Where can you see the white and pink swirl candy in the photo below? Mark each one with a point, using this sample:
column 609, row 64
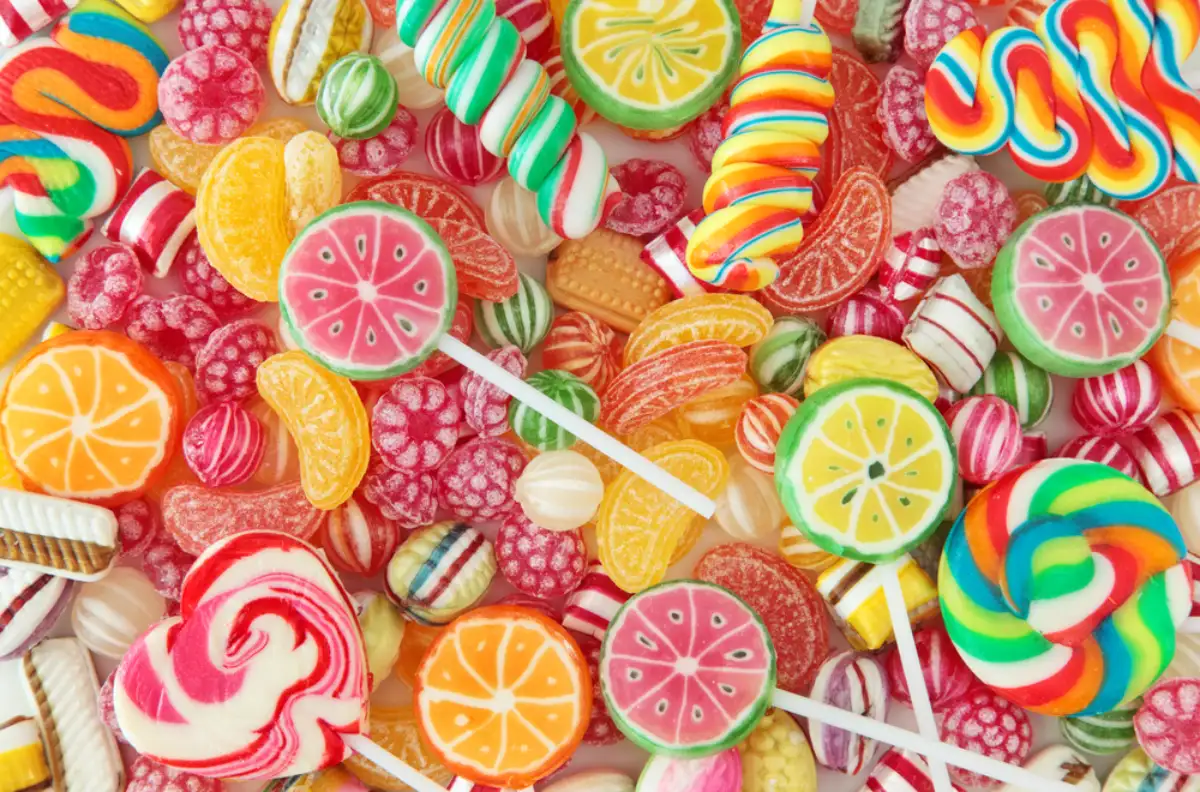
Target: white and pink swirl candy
column 852, row 682
column 223, row 444
column 262, row 675
column 1120, row 402
column 1105, row 450
column 987, row 434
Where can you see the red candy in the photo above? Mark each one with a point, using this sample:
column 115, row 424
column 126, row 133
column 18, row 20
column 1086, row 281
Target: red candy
column 461, row 327
column 651, row 200
column 911, row 264
column 855, row 134
column 223, row 444
column 906, row 128
column 165, row 564
column 1105, row 450
column 1168, row 725
column 760, row 426
column 138, row 526
column 1033, row 449
column 197, row 516
column 105, row 283
column 358, row 538
column 867, row 312
column 476, row 482
column 601, row 730
column 210, row 95
column 227, row 363
column 382, row 154
column 456, row 153
column 485, row 269
column 581, row 345
column 533, row 21
column 404, row 496
column 1120, row 402
column 107, row 714
column 544, row 607
column 149, row 776
column 240, row 25
column 539, row 562
column 986, row 724
column 414, row 425
column 485, row 407
column 202, row 281
column 706, row 134
column 987, row 434
column 173, row 329
column 929, row 24
column 975, row 217
column 946, row 675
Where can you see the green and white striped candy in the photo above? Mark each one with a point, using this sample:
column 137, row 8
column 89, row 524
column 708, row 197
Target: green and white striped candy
column 357, row 97
column 522, row 320
column 1079, row 190
column 564, row 388
column 1107, row 733
column 777, row 362
column 1024, row 385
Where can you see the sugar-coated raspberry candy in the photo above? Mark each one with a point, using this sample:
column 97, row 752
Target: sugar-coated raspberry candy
column 408, row 497
column 929, row 24
column 138, row 526
column 946, row 675
column 240, row 25
column 987, row 435
column 461, row 327
column 1119, row 402
column 652, row 193
column 1168, row 724
column 601, row 730
column 202, row 281
column 477, row 481
column 533, row 21
column 975, row 217
column 706, row 133
column 146, row 775
column 867, row 312
column 582, row 345
column 165, row 563
column 906, row 128
column 911, row 264
column 538, row 561
column 1105, row 450
column 227, row 363
column 223, row 444
column 105, row 283
column 358, row 538
column 760, row 426
column 485, row 407
column 173, row 329
column 456, row 153
column 383, row 154
column 414, row 425
column 210, row 95
column 987, row 724
column 108, row 715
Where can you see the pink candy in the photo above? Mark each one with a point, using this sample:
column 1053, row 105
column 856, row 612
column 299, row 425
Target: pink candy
column 1105, row 450
column 166, row 564
column 706, row 133
column 1167, row 452
column 666, row 255
column 601, row 730
column 210, row 95
column 477, row 481
column 149, row 776
column 946, row 675
column 1033, row 449
column 985, row 723
column 227, row 363
column 867, row 312
column 456, row 153
column 901, row 111
column 1168, row 725
column 155, row 218
column 138, row 526
column 651, row 200
column 592, row 606
column 539, row 562
column 105, row 283
column 358, row 538
column 223, row 444
column 1120, row 402
column 408, row 497
column 383, row 154
column 202, row 281
column 173, row 329
column 414, row 425
column 929, row 24
column 485, row 407
column 533, row 21
column 975, row 217
column 987, row 434
column 911, row 264
column 241, row 25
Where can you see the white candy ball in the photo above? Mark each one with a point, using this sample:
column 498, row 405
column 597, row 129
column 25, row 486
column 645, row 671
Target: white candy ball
column 560, row 490
column 749, row 508
column 110, row 613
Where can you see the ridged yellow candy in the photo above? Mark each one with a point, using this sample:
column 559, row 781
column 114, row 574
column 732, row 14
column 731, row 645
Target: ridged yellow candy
column 307, row 37
column 860, row 356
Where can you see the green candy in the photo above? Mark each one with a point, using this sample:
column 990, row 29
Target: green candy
column 542, row 144
column 777, row 363
column 878, row 26
column 1107, row 733
column 522, row 320
column 412, row 16
column 479, row 79
column 1079, row 190
column 565, row 389
column 357, row 97
column 1027, row 387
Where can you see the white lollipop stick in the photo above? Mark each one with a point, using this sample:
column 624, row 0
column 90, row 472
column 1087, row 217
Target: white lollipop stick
column 601, row 441
column 1182, row 331
column 361, row 744
column 807, row 9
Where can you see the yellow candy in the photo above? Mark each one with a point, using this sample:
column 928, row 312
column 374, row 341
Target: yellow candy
column 801, row 552
column 22, row 757
column 331, row 779
column 713, row 416
column 735, row 318
column 776, row 757
column 660, row 430
column 395, row 730
column 9, row 477
column 307, row 37
column 314, row 177
column 327, row 420
column 148, row 11
column 55, row 329
column 859, row 356
column 183, row 162
column 30, row 290
column 854, row 592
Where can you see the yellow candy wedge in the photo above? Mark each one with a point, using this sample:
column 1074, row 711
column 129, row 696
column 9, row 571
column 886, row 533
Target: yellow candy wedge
column 735, row 318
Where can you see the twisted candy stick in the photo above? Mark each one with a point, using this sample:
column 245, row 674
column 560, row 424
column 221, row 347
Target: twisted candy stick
column 66, row 103
column 761, row 183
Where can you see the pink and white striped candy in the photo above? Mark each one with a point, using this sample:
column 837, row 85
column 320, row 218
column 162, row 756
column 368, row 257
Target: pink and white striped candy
column 666, row 254
column 900, row 771
column 1120, row 402
column 987, row 434
column 358, row 538
column 852, row 682
column 867, row 312
column 593, row 605
column 1033, row 449
column 223, row 444
column 155, row 218
column 1192, row 562
column 20, row 19
column 1167, row 451
column 759, row 427
column 1105, row 450
column 954, row 333
column 911, row 264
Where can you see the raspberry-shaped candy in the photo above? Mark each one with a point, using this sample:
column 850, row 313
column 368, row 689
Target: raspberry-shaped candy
column 984, row 723
column 108, row 714
column 202, row 281
column 929, row 24
column 240, row 25
column 138, row 526
column 228, row 361
column 149, row 776
column 485, row 407
column 105, row 283
column 173, row 329
column 601, row 730
column 165, row 563
column 408, row 497
column 652, row 197
column 901, row 111
column 414, row 425
column 223, row 444
column 380, row 155
column 975, row 217
column 706, row 134
column 539, row 562
column 477, row 481
column 210, row 95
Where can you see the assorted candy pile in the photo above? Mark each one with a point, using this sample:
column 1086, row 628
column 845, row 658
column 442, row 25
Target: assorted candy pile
column 261, row 396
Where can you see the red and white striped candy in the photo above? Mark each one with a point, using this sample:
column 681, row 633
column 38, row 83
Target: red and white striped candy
column 20, row 19
column 358, row 539
column 954, row 333
column 223, row 444
column 155, row 218
column 593, row 605
column 667, row 252
column 1120, row 402
column 1033, row 449
column 1192, row 562
column 867, row 312
column 460, row 784
column 911, row 264
column 759, row 427
column 1105, row 450
column 900, row 771
column 987, row 434
column 1167, row 451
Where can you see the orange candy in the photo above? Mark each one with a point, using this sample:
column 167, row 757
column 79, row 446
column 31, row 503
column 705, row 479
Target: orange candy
column 713, row 416
column 1178, row 362
column 395, row 729
column 413, row 646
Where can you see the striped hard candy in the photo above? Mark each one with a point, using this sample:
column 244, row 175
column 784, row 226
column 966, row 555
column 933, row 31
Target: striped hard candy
column 223, row 444
column 901, row 771
column 564, row 389
column 954, row 333
column 1025, row 386
column 749, row 509
column 582, row 345
column 1122, row 401
column 440, row 571
column 559, row 490
column 867, row 312
column 1103, row 733
column 1033, row 449
column 987, row 435
column 358, row 538
column 911, row 264
column 592, row 606
column 946, row 675
column 759, row 427
column 1105, row 450
column 522, row 320
column 1167, row 451
column 777, row 362
column 801, row 552
column 1137, row 773
column 856, row 683
column 357, row 97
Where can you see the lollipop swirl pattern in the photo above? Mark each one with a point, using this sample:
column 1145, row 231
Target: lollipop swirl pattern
column 262, row 674
column 66, row 105
column 1062, row 587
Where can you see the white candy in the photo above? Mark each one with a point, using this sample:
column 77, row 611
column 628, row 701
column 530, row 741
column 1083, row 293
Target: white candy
column 109, row 614
column 560, row 490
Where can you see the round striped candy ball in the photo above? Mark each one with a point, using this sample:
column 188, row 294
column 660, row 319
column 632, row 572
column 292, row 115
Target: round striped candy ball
column 867, row 312
column 987, row 434
column 1024, row 385
column 582, row 345
column 778, row 361
column 522, row 320
column 759, row 427
column 1106, row 733
column 1105, row 450
column 566, row 389
column 1120, row 402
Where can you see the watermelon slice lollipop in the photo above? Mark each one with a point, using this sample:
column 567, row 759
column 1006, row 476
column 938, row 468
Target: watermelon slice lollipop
column 1081, row 290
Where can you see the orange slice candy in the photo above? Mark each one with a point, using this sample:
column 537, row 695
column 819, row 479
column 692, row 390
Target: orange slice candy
column 503, row 696
column 92, row 416
column 735, row 318
column 1177, row 361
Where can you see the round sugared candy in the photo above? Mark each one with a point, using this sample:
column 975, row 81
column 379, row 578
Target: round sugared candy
column 867, row 312
column 1117, row 403
column 107, row 280
column 202, row 281
column 485, row 406
column 652, row 194
column 357, row 98
column 776, row 756
column 974, row 219
column 777, row 362
column 1168, row 725
column 522, row 320
column 706, row 133
column 1025, row 386
column 759, row 427
column 226, row 364
column 559, row 490
column 946, row 675
column 537, row 561
column 513, row 219
column 901, row 111
column 582, row 345
column 210, row 95
column 408, row 497
column 566, row 390
column 430, row 590
column 109, row 614
column 601, row 729
column 146, row 775
column 223, row 444
column 987, row 724
column 911, row 264
column 166, row 564
column 721, row 772
column 851, row 682
column 240, row 25
column 414, row 425
column 748, row 508
column 382, row 154
column 1105, row 450
column 173, row 329
column 1103, row 733
column 456, row 153
column 987, row 436
column 138, row 526
column 358, row 538
column 533, row 21
column 476, row 482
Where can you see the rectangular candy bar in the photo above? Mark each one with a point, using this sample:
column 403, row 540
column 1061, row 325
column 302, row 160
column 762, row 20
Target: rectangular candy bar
column 853, row 590
column 55, row 535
